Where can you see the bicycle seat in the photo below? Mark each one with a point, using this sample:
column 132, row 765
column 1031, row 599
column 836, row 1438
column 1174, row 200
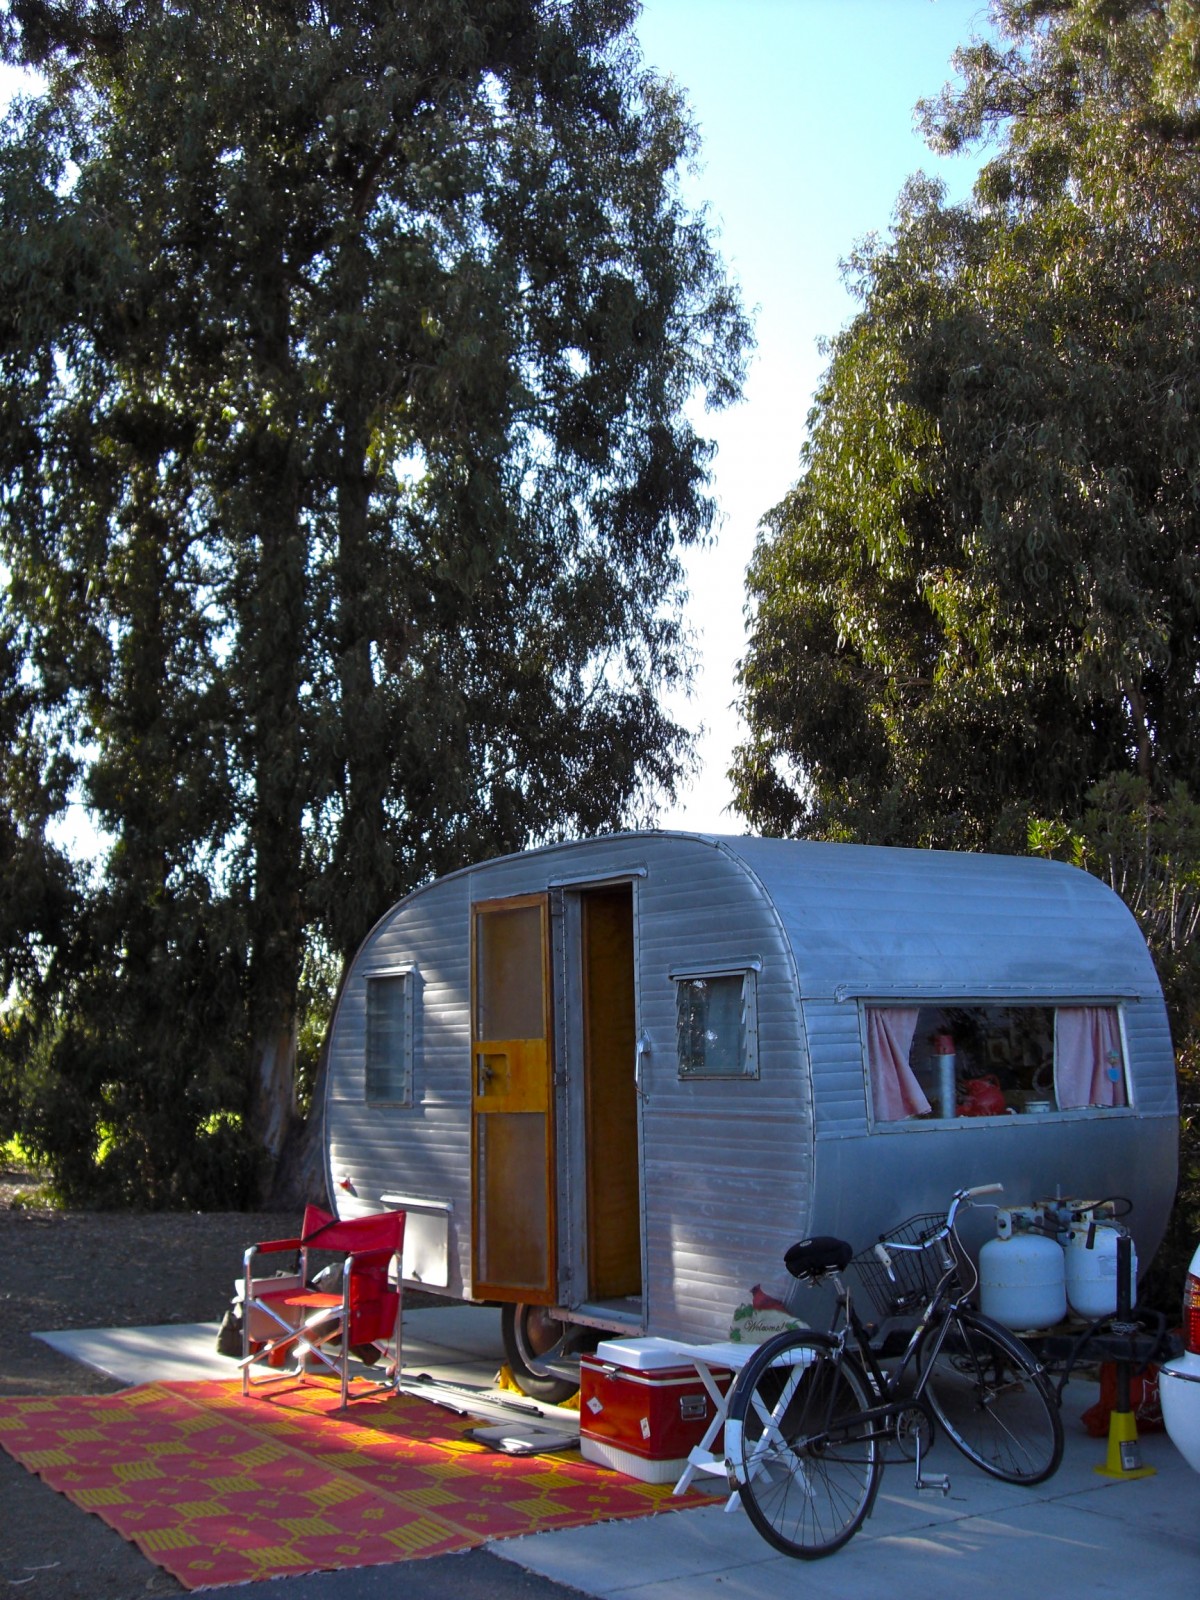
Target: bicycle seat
column 812, row 1257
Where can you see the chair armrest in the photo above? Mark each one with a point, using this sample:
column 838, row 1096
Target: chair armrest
column 272, row 1245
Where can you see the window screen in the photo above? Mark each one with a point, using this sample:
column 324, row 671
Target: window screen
column 716, row 1025
column 389, row 1038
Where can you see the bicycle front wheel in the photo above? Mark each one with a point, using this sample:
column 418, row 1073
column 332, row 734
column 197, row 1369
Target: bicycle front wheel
column 994, row 1401
column 806, row 1464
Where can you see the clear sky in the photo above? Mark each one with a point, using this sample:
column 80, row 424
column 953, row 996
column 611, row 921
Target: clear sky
column 805, row 110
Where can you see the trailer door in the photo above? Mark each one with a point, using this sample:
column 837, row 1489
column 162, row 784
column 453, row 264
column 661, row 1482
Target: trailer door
column 512, row 1132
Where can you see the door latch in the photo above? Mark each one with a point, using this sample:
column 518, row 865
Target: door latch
column 640, row 1055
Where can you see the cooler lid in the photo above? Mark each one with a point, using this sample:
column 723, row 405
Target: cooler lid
column 646, row 1354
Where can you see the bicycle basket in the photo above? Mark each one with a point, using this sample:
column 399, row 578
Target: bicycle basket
column 915, row 1273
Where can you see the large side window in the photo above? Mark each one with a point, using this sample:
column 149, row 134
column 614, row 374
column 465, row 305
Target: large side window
column 389, row 1038
column 963, row 1060
column 716, row 1024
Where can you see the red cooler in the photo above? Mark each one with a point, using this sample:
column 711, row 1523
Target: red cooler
column 642, row 1408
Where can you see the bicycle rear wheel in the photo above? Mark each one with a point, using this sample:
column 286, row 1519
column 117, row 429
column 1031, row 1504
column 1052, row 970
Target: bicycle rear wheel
column 807, row 1466
column 986, row 1389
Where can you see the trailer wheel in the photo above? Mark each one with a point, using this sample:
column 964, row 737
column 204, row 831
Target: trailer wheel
column 531, row 1338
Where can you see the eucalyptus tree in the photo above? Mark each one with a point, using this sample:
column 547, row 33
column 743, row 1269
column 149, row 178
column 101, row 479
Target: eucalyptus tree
column 38, row 891
column 983, row 595
column 346, row 348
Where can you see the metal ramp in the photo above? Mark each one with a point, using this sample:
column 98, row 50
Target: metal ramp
column 513, row 1423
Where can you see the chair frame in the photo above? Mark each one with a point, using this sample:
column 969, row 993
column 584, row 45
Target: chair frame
column 299, row 1322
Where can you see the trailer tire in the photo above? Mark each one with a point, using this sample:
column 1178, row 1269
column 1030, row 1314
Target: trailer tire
column 532, row 1337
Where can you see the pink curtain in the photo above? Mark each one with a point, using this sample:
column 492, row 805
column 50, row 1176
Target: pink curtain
column 895, row 1092
column 1088, row 1068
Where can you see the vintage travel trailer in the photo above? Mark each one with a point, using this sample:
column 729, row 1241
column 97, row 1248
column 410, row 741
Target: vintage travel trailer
column 612, row 1081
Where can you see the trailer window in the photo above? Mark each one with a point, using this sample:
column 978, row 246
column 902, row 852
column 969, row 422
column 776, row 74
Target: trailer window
column 716, row 1024
column 992, row 1060
column 389, row 1038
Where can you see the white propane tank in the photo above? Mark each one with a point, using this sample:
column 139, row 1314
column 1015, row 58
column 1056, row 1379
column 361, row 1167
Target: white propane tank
column 1092, row 1274
column 1022, row 1277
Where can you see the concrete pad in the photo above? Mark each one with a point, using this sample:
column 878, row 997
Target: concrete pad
column 178, row 1353
column 1048, row 1548
column 1077, row 1535
column 454, row 1344
column 470, row 1330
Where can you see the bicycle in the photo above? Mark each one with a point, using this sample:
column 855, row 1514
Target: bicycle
column 811, row 1412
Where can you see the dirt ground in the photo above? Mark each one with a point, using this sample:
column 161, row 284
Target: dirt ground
column 96, row 1270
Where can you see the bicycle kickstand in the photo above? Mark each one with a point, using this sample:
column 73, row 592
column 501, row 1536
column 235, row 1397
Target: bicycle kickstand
column 935, row 1483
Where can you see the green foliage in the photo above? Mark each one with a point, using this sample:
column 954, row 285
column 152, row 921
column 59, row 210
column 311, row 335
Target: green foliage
column 1171, row 1264
column 28, row 1190
column 983, row 595
column 344, row 465
column 1149, row 852
column 123, row 1087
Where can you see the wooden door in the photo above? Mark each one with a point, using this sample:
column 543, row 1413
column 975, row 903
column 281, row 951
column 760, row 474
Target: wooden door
column 512, row 1119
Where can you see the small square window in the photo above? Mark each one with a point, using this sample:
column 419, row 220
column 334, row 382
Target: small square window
column 717, row 1025
column 389, row 1038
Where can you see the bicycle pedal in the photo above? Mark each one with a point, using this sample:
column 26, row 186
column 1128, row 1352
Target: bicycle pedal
column 934, row 1485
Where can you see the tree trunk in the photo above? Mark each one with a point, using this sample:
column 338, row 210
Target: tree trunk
column 300, row 1177
column 275, row 628
column 273, row 1109
column 366, row 871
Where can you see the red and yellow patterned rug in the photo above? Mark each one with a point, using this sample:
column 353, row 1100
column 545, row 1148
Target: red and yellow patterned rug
column 219, row 1489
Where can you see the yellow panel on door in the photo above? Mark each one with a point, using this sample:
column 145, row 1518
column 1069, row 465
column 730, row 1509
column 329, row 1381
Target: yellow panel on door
column 511, row 1076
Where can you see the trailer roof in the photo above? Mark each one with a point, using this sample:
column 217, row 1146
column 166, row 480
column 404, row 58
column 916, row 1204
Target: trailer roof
column 875, row 921
column 869, row 920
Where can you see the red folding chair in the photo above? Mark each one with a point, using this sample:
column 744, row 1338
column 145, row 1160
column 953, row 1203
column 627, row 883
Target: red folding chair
column 284, row 1318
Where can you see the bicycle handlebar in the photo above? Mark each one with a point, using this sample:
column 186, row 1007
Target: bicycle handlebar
column 881, row 1250
column 967, row 1195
